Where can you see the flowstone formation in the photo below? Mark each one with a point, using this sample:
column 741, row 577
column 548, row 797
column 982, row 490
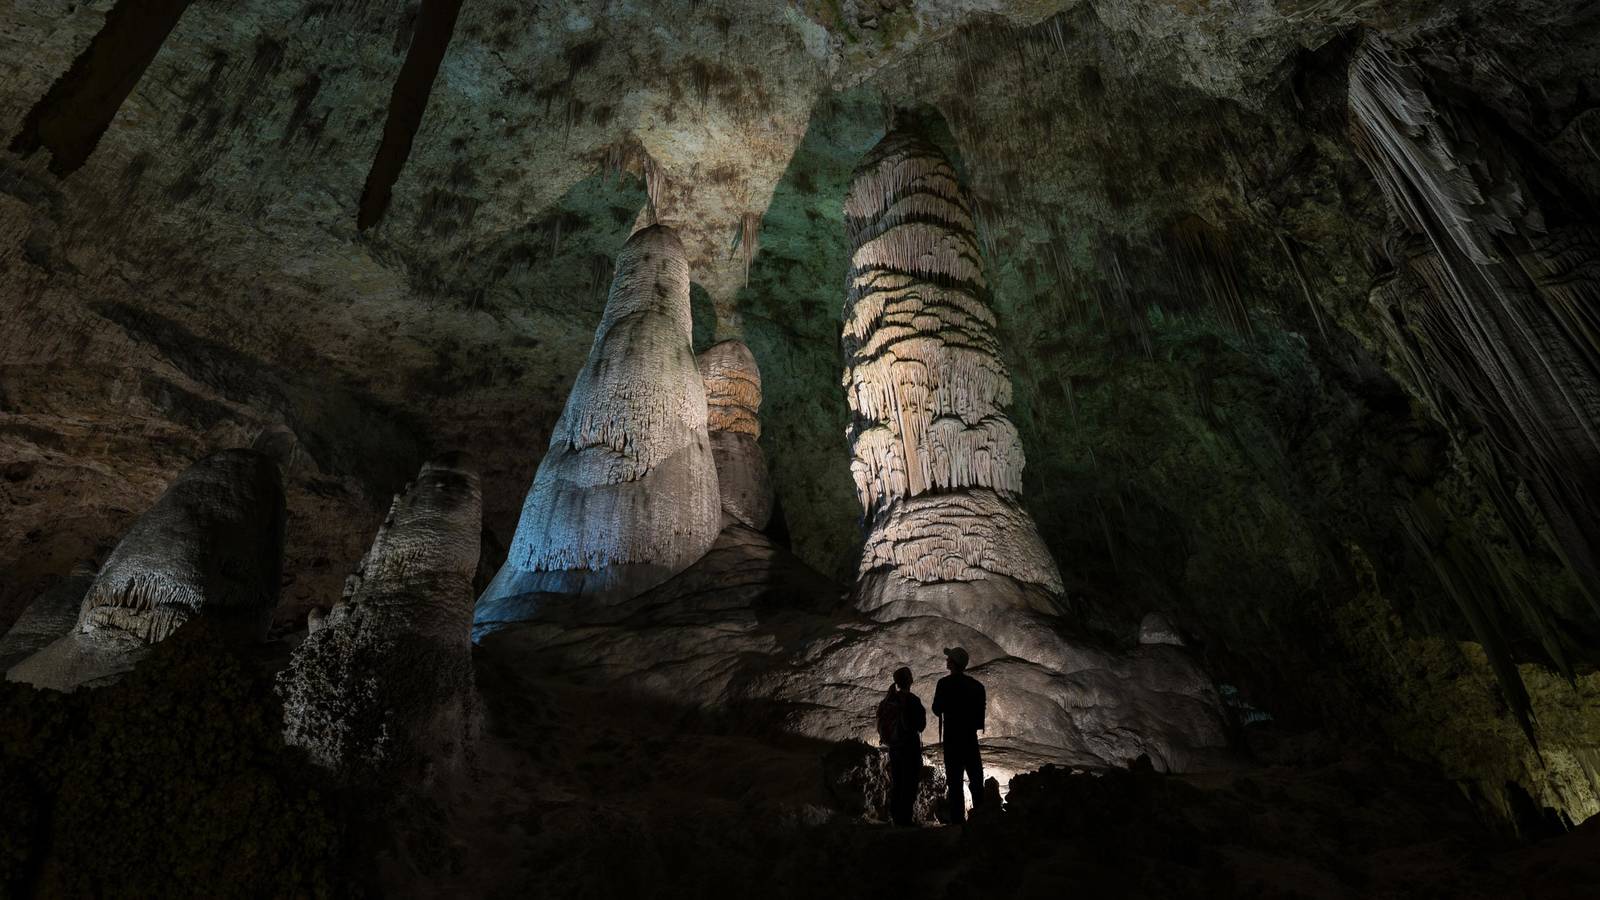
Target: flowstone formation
column 752, row 632
column 626, row 496
column 384, row 682
column 733, row 402
column 211, row 546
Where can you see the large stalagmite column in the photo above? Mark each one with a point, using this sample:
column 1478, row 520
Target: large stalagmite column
column 385, row 682
column 937, row 463
column 626, row 496
column 733, row 402
column 212, row 545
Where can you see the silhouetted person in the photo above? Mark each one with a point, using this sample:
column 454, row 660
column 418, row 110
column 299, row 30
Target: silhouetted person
column 900, row 724
column 959, row 702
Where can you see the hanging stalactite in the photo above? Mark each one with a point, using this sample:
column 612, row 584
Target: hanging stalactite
column 1512, row 331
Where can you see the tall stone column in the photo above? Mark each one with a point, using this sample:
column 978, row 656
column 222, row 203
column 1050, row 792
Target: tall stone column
column 212, row 545
column 937, row 462
column 733, row 402
column 626, row 495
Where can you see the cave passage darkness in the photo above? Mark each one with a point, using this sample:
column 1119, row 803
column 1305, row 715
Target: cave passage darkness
column 493, row 449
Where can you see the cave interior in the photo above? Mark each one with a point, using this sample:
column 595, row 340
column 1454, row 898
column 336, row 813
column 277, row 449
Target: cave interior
column 493, row 449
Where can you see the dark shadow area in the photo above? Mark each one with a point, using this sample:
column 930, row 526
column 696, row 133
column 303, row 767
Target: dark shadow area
column 559, row 263
column 436, row 21
column 79, row 107
column 791, row 315
column 704, row 314
column 344, row 429
column 173, row 782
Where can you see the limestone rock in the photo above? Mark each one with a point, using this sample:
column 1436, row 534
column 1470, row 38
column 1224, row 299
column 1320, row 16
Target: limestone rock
column 857, row 776
column 1155, row 628
column 626, row 496
column 733, row 403
column 49, row 617
column 938, row 465
column 749, row 631
column 212, row 545
column 951, row 557
column 385, row 680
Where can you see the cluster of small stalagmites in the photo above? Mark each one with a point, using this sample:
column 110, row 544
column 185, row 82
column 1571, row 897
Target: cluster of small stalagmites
column 212, row 546
column 626, row 496
column 384, row 681
column 937, row 464
column 733, row 403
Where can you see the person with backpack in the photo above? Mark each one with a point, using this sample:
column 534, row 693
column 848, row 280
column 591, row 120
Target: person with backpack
column 960, row 703
column 900, row 723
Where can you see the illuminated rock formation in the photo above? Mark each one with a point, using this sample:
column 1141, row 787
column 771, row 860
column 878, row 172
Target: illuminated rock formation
column 385, row 681
column 626, row 496
column 733, row 400
column 212, row 545
column 938, row 465
column 951, row 558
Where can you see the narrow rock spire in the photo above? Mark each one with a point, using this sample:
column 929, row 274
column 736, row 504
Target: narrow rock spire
column 385, row 682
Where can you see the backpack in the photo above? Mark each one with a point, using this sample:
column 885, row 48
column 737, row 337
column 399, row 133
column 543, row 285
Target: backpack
column 889, row 719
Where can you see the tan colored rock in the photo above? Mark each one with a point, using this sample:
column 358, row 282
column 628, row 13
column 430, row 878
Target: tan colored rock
column 384, row 681
column 752, row 633
column 938, row 465
column 626, row 496
column 951, row 558
column 212, row 545
column 733, row 403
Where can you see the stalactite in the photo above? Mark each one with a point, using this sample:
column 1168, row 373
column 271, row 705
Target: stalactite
column 1462, row 575
column 1512, row 329
column 436, row 22
column 747, row 240
column 1202, row 263
column 934, row 450
column 70, row 119
column 1299, row 269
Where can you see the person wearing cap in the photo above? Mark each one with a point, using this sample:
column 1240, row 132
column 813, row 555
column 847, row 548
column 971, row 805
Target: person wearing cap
column 900, row 723
column 959, row 702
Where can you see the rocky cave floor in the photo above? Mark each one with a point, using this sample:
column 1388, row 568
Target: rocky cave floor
column 176, row 782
